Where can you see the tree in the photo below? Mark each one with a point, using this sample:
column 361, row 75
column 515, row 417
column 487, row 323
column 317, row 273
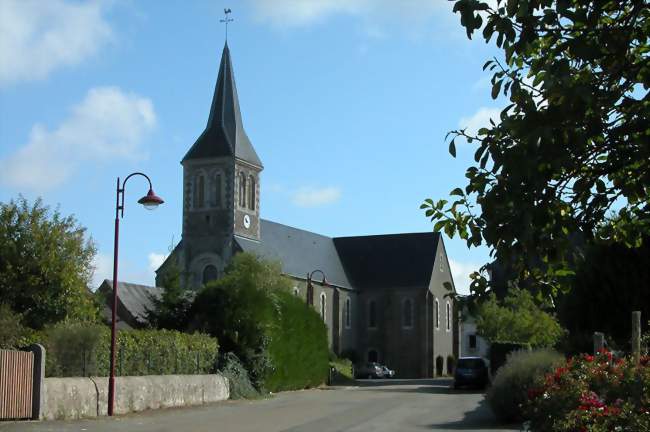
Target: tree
column 12, row 331
column 170, row 310
column 517, row 319
column 612, row 282
column 45, row 264
column 281, row 340
column 239, row 309
column 570, row 153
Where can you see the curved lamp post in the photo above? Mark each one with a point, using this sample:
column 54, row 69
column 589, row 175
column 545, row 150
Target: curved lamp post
column 150, row 201
column 310, row 287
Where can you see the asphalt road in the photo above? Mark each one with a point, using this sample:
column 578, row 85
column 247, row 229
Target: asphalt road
column 377, row 406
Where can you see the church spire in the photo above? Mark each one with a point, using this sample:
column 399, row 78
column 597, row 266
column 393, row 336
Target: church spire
column 224, row 135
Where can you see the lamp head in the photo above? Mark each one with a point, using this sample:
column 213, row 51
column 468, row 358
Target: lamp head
column 151, row 200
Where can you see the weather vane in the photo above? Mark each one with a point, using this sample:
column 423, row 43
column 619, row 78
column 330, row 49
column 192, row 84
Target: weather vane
column 226, row 20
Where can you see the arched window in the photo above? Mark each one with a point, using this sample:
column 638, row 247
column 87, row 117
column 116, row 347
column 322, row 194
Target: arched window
column 199, row 191
column 296, row 291
column 448, row 316
column 251, row 194
column 372, row 314
column 437, row 314
column 407, row 313
column 373, row 356
column 348, row 314
column 242, row 189
column 210, row 273
column 323, row 306
column 216, row 187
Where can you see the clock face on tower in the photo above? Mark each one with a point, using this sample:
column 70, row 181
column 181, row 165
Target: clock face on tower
column 247, row 221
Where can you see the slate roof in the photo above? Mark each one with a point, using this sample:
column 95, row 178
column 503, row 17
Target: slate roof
column 389, row 261
column 224, row 135
column 364, row 262
column 133, row 297
column 299, row 251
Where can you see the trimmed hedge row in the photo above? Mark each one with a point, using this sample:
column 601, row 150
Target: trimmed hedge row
column 298, row 347
column 81, row 349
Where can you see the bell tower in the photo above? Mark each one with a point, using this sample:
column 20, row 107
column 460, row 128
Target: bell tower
column 221, row 177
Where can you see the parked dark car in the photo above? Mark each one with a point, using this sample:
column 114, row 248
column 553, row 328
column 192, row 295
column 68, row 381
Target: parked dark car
column 388, row 373
column 471, row 372
column 370, row 370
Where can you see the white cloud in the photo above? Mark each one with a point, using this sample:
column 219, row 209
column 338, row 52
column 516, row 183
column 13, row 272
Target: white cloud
column 460, row 271
column 108, row 124
column 315, row 197
column 37, row 37
column 298, row 13
column 480, row 119
column 156, row 260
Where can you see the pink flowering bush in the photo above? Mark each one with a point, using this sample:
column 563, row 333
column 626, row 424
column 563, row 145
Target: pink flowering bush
column 592, row 393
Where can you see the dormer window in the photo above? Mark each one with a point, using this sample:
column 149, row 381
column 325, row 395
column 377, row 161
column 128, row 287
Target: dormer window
column 242, row 189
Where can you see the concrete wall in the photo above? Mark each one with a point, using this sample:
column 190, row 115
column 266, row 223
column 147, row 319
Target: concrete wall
column 72, row 398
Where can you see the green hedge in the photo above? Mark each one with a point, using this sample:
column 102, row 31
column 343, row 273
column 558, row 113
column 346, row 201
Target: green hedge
column 298, row 347
column 80, row 349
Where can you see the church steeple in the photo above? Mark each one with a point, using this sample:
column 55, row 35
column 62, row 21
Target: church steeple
column 224, row 135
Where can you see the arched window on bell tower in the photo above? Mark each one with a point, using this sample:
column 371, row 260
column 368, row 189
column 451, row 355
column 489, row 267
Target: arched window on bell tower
column 199, row 191
column 251, row 193
column 242, row 189
column 217, row 189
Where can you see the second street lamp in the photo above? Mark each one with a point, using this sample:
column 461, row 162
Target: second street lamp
column 150, row 202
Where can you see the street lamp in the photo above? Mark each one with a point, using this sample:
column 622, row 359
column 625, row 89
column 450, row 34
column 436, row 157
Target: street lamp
column 150, row 201
column 310, row 287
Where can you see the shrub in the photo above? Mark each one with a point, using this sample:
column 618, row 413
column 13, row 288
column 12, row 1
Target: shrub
column 594, row 393
column 82, row 349
column 238, row 379
column 298, row 347
column 12, row 332
column 499, row 352
column 510, row 386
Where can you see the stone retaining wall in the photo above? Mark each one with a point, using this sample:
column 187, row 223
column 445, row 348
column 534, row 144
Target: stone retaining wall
column 72, row 398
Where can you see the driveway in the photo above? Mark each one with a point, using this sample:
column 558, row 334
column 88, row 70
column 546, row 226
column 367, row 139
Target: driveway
column 374, row 405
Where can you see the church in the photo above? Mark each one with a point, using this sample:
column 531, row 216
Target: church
column 384, row 297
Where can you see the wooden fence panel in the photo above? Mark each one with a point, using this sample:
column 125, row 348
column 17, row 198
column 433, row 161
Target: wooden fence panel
column 16, row 384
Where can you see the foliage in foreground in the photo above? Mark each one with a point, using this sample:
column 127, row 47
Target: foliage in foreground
column 45, row 264
column 518, row 319
column 569, row 153
column 80, row 349
column 281, row 341
column 612, row 282
column 509, row 388
column 592, row 393
column 238, row 380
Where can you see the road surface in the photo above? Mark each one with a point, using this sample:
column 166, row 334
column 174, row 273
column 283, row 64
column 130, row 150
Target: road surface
column 374, row 405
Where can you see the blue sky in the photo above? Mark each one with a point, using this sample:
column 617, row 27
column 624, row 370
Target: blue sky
column 347, row 103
